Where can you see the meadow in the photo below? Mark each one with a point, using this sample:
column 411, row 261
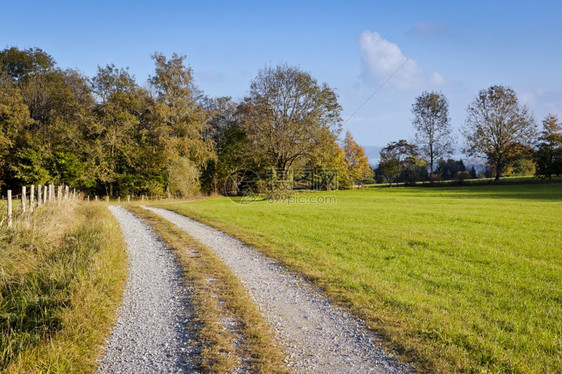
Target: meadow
column 455, row 279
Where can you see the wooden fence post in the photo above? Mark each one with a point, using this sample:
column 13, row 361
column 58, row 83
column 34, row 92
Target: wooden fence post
column 118, row 200
column 9, row 208
column 23, row 198
column 66, row 192
column 107, row 198
column 128, row 198
column 31, row 198
column 39, row 187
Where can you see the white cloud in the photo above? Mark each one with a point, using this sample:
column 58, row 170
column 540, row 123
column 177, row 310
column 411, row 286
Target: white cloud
column 438, row 80
column 382, row 58
column 543, row 102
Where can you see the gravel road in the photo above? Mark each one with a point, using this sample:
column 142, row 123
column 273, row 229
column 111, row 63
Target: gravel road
column 317, row 337
column 152, row 332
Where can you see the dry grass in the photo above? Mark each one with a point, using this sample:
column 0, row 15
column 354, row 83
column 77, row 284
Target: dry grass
column 62, row 271
column 217, row 294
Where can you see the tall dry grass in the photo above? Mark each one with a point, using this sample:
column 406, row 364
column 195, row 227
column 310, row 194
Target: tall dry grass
column 62, row 270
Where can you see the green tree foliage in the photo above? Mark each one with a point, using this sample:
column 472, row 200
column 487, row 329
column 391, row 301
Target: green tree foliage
column 121, row 106
column 400, row 162
column 20, row 64
column 498, row 127
column 548, row 158
column 448, row 170
column 14, row 122
column 356, row 162
column 289, row 117
column 60, row 105
column 433, row 128
column 230, row 144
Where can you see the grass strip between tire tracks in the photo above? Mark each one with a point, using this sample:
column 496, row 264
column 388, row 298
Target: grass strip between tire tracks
column 216, row 294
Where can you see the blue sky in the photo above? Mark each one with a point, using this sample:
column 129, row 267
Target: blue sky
column 455, row 47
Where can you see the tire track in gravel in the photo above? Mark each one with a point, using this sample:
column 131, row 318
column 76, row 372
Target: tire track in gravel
column 316, row 336
column 152, row 332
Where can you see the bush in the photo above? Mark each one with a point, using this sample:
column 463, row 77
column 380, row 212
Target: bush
column 183, row 178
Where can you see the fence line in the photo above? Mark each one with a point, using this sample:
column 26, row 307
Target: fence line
column 35, row 196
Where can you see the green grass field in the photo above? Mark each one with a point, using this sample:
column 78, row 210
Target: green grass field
column 455, row 279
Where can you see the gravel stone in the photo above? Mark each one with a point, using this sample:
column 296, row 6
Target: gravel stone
column 317, row 336
column 153, row 332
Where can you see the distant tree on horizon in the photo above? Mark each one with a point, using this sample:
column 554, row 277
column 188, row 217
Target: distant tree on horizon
column 400, row 160
column 449, row 169
column 433, row 127
column 548, row 158
column 498, row 126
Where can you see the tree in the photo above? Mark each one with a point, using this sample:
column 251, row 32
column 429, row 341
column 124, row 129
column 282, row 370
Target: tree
column 120, row 108
column 229, row 141
column 433, row 128
column 182, row 120
column 498, row 126
column 14, row 122
column 548, row 158
column 449, row 169
column 19, row 64
column 285, row 115
column 327, row 164
column 396, row 158
column 356, row 162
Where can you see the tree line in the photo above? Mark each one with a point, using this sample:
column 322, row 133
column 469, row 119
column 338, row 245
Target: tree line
column 497, row 126
column 109, row 135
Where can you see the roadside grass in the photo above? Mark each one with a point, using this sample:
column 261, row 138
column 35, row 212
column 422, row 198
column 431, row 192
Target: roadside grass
column 217, row 295
column 62, row 272
column 461, row 279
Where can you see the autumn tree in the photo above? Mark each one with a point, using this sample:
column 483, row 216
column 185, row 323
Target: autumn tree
column 433, row 128
column 286, row 114
column 177, row 110
column 356, row 162
column 179, row 122
column 498, row 127
column 325, row 166
column 548, row 158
